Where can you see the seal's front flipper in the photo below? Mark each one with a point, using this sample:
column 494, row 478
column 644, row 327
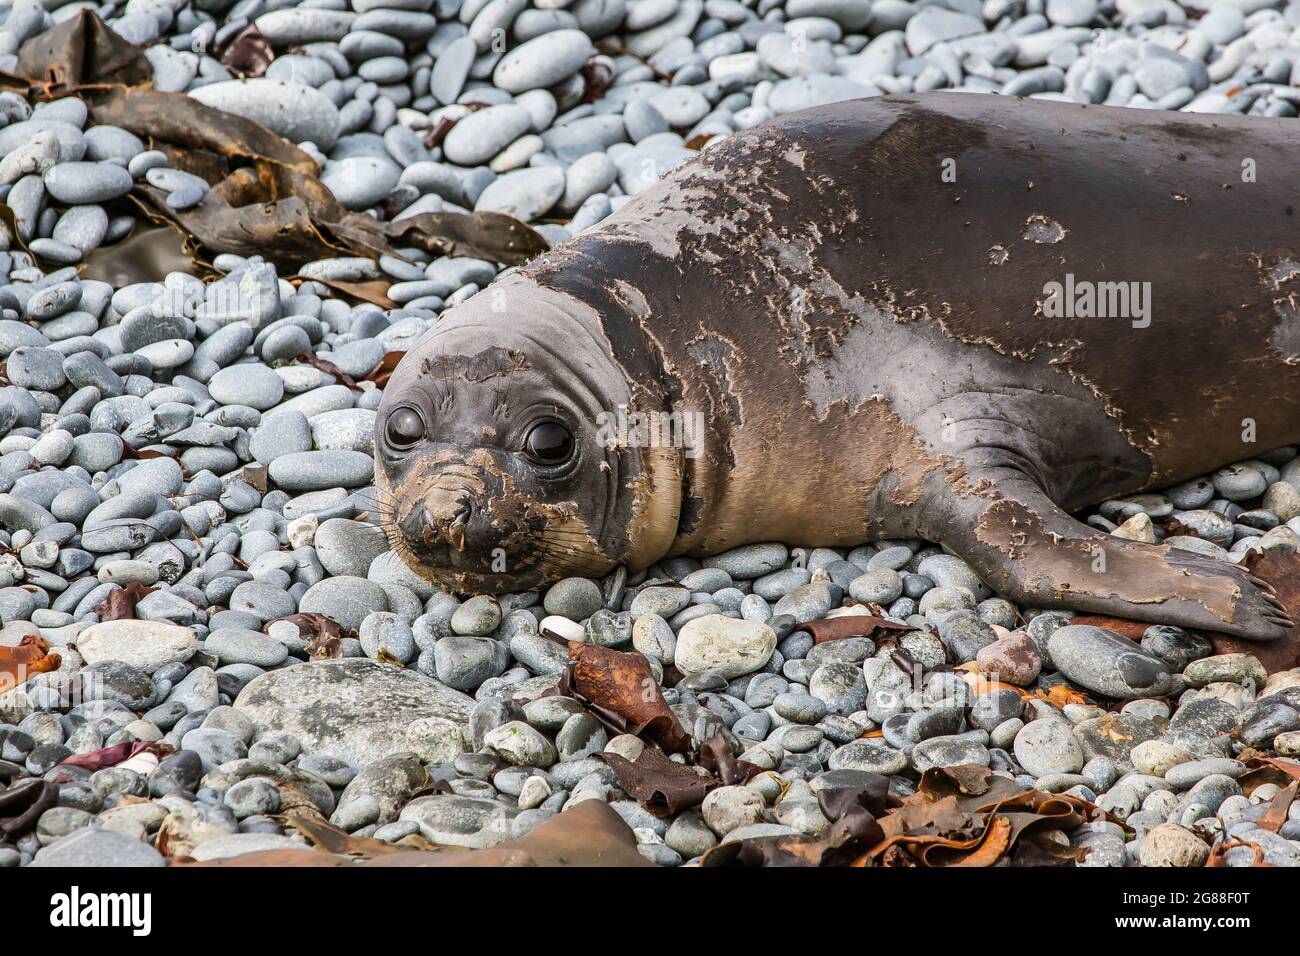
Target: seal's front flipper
column 1027, row 548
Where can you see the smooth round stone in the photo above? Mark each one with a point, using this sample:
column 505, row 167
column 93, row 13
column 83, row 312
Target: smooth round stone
column 464, row 821
column 451, row 69
column 251, row 797
column 728, row 808
column 482, row 134
column 882, row 586
column 82, row 227
column 800, row 708
column 870, row 756
column 214, row 746
column 147, row 645
column 1048, row 747
column 1229, row 668
column 838, row 684
column 949, row 571
column 521, row 745
column 543, row 61
column 167, row 354
column 35, row 368
column 1012, row 659
column 80, row 183
column 253, row 385
column 300, row 25
column 294, row 111
column 724, row 646
column 660, row 600
column 345, row 599
column 1106, row 663
column 319, row 470
column 264, row 601
column 1157, row 757
column 1172, row 845
column 991, row 709
column 643, row 120
column 479, row 616
column 345, row 546
column 1186, row 774
column 949, row 751
column 98, row 847
column 371, row 707
column 526, row 194
column 574, row 598
column 1240, row 482
column 239, row 646
column 808, row 603
column 750, row 561
column 360, row 182
column 466, row 662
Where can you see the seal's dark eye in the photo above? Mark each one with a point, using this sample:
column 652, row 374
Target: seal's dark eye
column 405, row 427
column 549, row 443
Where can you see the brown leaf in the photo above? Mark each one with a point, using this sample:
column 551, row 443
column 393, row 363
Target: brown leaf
column 1262, row 768
column 852, row 625
column 662, row 786
column 82, row 51
column 374, row 291
column 144, row 454
column 325, row 836
column 715, row 755
column 120, row 603
column 958, row 816
column 1279, row 807
column 108, row 756
column 22, row 805
column 597, row 76
column 309, row 358
column 382, row 372
column 11, row 230
column 324, row 636
column 853, row 831
column 620, row 687
column 1219, row 850
column 266, row 198
column 31, row 656
column 248, row 54
column 1036, row 850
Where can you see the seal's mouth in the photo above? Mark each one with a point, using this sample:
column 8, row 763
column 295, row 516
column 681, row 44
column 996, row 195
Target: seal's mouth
column 467, row 527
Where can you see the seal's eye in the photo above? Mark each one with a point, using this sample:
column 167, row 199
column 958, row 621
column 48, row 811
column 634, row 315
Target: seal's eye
column 549, row 443
column 404, row 428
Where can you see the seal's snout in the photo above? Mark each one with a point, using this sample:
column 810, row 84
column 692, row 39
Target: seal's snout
column 447, row 520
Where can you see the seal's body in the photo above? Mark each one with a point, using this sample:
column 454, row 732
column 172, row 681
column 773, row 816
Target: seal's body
column 948, row 316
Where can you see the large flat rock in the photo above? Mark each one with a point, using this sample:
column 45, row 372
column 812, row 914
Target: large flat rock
column 356, row 710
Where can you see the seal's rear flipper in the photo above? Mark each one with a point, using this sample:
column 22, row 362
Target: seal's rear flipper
column 1027, row 548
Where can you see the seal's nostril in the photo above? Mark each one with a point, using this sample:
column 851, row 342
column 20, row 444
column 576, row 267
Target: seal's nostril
column 448, row 522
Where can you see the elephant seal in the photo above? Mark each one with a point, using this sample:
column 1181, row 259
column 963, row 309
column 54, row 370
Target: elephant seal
column 874, row 311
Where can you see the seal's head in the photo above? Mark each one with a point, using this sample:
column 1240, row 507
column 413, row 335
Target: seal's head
column 495, row 471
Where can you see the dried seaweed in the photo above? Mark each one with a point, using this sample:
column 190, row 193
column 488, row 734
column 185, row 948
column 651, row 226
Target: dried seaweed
column 120, row 603
column 265, row 198
column 30, row 656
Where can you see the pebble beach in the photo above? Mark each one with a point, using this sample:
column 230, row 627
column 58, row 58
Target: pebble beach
column 199, row 450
